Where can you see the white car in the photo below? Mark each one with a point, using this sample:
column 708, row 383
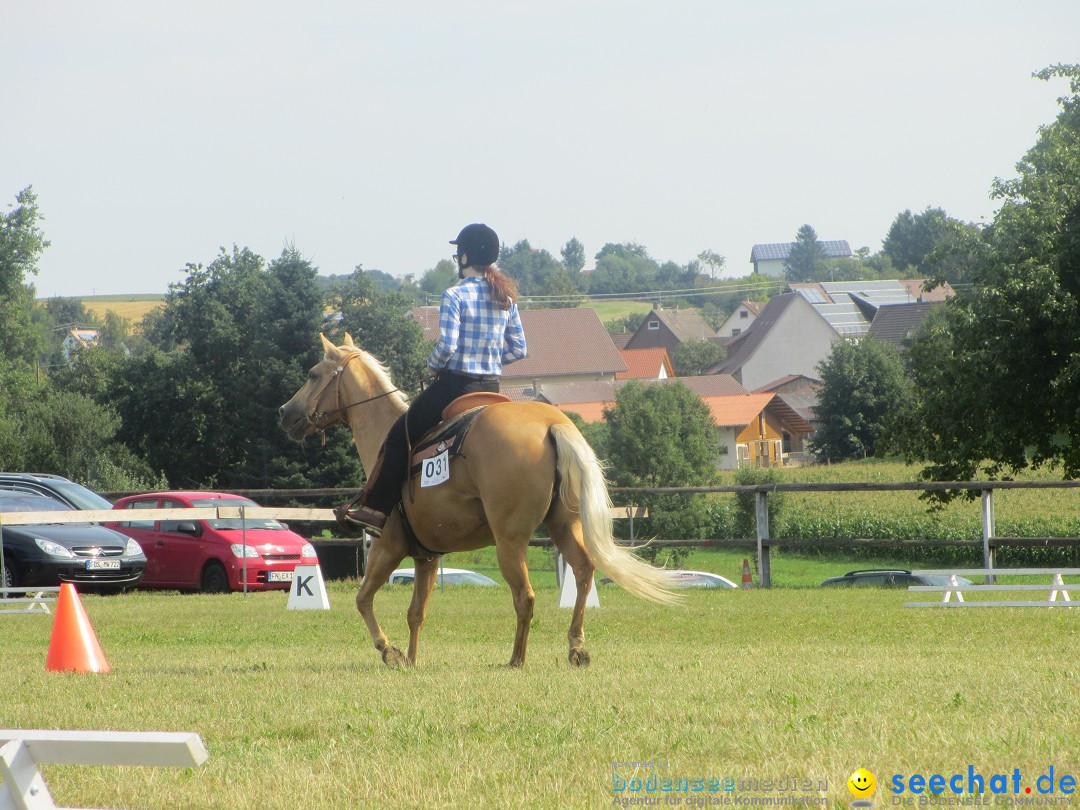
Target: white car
column 692, row 579
column 446, row 576
column 699, row 579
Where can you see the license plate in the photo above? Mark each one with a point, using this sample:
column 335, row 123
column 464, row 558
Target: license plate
column 102, row 565
column 281, row 576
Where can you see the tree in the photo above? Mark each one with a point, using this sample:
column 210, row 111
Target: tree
column 662, row 435
column 236, row 341
column 807, row 256
column 863, row 387
column 692, row 357
column 374, row 319
column 436, row 280
column 52, row 430
column 537, row 273
column 998, row 374
column 21, row 245
column 916, row 243
column 573, row 257
column 713, row 261
column 623, row 267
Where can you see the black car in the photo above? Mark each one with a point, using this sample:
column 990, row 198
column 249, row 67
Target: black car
column 56, row 487
column 47, row 554
column 886, row 578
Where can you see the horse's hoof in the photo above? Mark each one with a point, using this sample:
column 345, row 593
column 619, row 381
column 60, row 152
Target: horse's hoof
column 394, row 658
column 579, row 657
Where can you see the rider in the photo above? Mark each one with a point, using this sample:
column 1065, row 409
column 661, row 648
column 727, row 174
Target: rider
column 479, row 331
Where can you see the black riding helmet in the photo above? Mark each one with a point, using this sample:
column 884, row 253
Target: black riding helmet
column 480, row 243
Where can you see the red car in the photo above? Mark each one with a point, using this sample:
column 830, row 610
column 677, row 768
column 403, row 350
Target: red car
column 210, row 555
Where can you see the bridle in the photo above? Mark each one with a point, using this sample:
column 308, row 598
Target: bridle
column 337, row 414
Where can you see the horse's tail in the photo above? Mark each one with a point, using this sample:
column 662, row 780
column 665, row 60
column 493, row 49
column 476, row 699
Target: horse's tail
column 583, row 489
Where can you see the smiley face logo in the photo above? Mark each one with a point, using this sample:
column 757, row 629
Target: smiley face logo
column 861, row 783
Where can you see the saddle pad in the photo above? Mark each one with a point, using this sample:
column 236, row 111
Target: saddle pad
column 448, row 435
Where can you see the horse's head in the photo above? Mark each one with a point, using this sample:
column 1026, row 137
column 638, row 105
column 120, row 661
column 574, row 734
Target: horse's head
column 344, row 378
column 317, row 404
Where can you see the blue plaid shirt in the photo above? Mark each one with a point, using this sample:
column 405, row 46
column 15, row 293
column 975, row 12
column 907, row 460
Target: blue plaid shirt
column 475, row 336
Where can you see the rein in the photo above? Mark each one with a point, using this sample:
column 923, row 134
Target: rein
column 316, row 416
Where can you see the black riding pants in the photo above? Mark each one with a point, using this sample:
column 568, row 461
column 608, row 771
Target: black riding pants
column 424, row 413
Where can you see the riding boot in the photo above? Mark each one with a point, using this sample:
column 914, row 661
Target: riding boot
column 355, row 514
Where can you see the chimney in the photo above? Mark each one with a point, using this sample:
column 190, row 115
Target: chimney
column 536, row 388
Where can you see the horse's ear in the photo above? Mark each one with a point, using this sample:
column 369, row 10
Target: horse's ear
column 348, row 341
column 328, row 347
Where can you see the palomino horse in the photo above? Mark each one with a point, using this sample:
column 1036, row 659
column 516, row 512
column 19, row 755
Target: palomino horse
column 499, row 491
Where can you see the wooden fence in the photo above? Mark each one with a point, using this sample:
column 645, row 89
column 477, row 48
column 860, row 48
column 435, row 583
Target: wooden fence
column 763, row 542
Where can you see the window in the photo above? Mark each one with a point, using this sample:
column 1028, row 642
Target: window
column 744, row 313
column 140, row 524
column 654, row 324
column 736, row 331
column 170, row 525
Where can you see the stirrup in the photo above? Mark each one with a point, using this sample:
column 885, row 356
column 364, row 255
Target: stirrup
column 360, row 517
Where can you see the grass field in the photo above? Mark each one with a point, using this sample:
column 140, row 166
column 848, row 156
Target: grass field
column 297, row 710
column 609, row 310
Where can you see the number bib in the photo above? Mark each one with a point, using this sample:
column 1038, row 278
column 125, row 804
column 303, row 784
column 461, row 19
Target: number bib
column 436, row 470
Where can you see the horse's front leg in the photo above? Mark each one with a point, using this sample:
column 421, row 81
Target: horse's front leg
column 423, row 583
column 386, row 554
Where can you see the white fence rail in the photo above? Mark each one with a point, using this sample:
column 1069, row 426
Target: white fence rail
column 1055, row 587
column 36, row 600
column 23, row 752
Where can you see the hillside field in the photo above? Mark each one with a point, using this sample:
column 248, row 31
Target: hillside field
column 134, row 307
column 129, row 307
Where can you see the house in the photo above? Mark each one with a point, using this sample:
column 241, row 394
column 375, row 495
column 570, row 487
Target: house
column 789, row 337
column 739, row 320
column 565, row 345
column 646, row 364
column 769, row 260
column 800, row 393
column 850, row 306
column 77, row 339
column 758, row 428
column 668, row 328
column 896, row 324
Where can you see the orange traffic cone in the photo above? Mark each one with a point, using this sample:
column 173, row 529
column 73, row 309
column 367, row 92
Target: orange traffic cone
column 747, row 577
column 74, row 645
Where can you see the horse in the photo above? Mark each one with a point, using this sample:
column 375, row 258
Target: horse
column 523, row 464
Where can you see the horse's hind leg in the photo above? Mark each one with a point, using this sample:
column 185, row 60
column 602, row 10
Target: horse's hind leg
column 423, row 582
column 386, row 554
column 566, row 535
column 513, row 562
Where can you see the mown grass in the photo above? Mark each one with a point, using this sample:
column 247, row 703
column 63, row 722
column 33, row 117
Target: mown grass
column 297, row 710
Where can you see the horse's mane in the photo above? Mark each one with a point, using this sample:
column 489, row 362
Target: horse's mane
column 377, row 369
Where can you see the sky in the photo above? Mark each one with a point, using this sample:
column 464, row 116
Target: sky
column 368, row 133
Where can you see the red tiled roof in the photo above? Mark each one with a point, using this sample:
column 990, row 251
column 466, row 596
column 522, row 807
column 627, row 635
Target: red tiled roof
column 428, row 318
column 737, row 411
column 565, row 341
column 645, row 364
column 915, row 290
column 560, row 342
